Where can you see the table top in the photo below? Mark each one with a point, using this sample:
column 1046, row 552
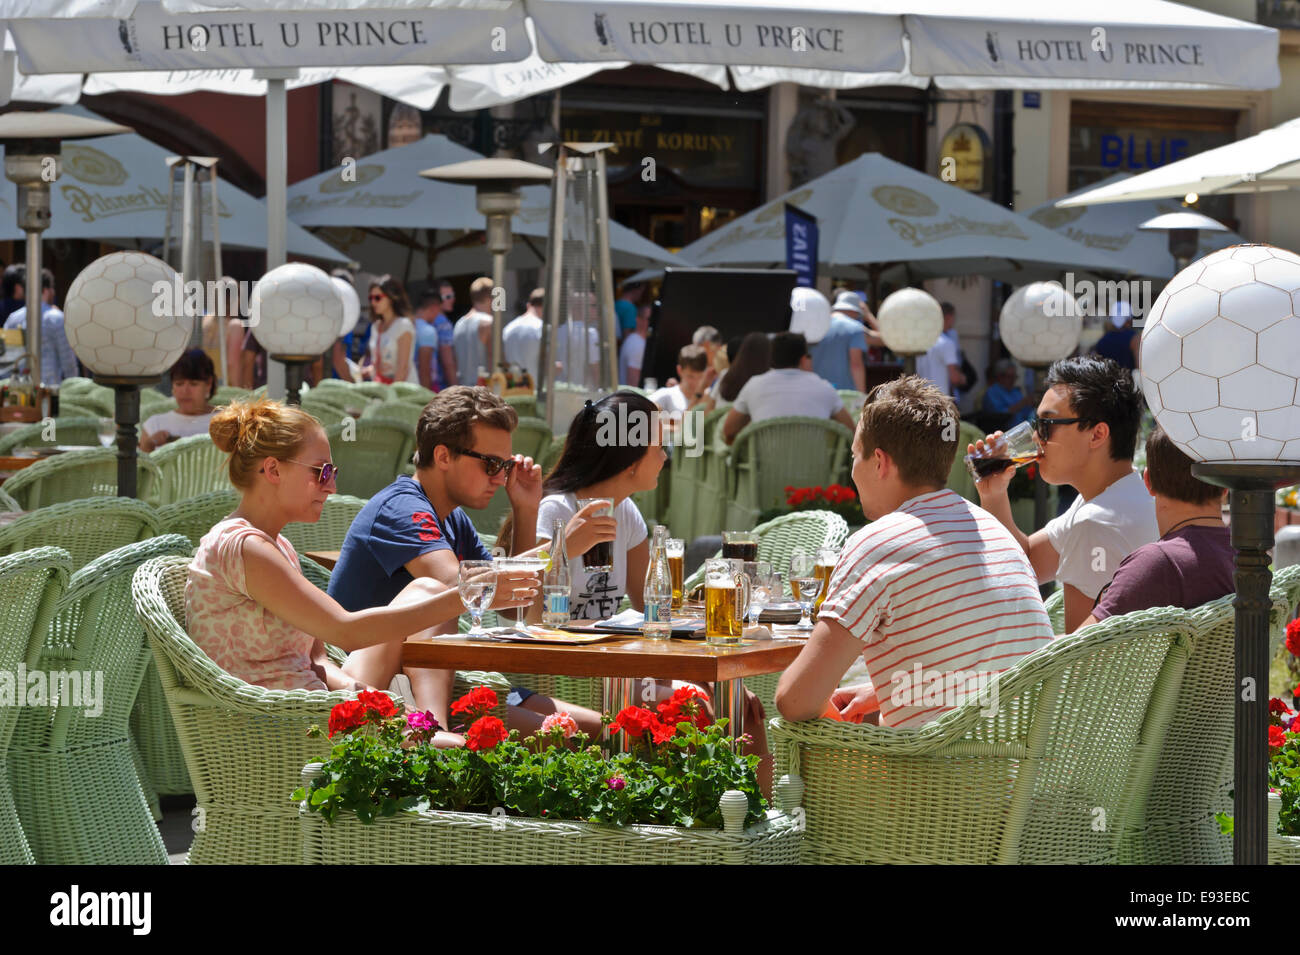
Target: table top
column 692, row 660
column 326, row 558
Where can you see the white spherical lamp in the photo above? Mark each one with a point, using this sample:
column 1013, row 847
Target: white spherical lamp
column 810, row 314
column 351, row 305
column 911, row 321
column 1039, row 324
column 296, row 313
column 1220, row 355
column 123, row 318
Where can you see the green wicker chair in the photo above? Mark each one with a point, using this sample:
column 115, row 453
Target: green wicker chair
column 71, row 408
column 1028, row 784
column 1055, row 604
column 240, row 741
column 371, row 458
column 374, row 389
column 154, row 402
column 525, row 405
column 197, row 515
column 551, row 456
column 412, row 392
column 228, row 393
column 75, row 475
column 401, row 413
column 327, row 407
column 189, row 467
column 853, row 401
column 30, row 586
column 770, row 455
column 531, row 438
column 80, row 797
column 85, row 529
column 100, row 400
column 959, row 478
column 318, row 575
column 1186, row 776
column 329, row 532
column 74, row 386
column 83, row 432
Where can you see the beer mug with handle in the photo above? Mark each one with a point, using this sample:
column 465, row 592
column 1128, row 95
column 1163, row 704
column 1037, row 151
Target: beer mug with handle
column 726, row 595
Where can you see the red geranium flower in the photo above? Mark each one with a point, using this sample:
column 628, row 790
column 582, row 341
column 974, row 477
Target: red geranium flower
column 376, row 702
column 1276, row 736
column 1277, row 707
column 1293, row 637
column 346, row 716
column 685, row 706
column 480, row 698
column 485, row 733
column 634, row 720
column 662, row 732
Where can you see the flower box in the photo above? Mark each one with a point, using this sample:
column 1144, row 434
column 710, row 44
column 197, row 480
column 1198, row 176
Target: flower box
column 460, row 838
column 1282, row 850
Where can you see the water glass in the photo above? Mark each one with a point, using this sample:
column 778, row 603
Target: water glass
column 762, row 586
column 478, row 585
column 805, row 583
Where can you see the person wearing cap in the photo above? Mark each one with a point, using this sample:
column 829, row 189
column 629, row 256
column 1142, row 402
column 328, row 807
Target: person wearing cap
column 790, row 388
column 841, row 355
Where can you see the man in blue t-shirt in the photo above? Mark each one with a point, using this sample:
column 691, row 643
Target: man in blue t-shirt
column 416, row 527
column 840, row 355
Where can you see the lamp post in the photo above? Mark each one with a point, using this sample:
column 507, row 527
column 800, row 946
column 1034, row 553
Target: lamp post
column 296, row 312
column 1183, row 228
column 911, row 321
column 496, row 183
column 127, row 334
column 1219, row 354
column 1039, row 324
column 32, row 144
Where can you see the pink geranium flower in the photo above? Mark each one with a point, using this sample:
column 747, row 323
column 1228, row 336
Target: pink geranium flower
column 562, row 721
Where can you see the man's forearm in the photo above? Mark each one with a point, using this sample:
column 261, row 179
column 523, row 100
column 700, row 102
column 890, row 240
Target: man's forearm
column 1000, row 507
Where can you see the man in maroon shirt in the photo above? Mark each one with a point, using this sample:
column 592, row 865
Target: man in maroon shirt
column 1191, row 563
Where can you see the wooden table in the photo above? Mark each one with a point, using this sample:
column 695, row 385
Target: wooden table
column 326, row 558
column 619, row 662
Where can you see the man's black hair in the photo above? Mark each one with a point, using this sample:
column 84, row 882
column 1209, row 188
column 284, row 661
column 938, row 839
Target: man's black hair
column 787, row 349
column 1101, row 390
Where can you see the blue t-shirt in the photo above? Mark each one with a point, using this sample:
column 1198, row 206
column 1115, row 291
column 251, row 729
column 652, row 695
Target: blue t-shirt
column 998, row 400
column 625, row 312
column 396, row 526
column 830, row 356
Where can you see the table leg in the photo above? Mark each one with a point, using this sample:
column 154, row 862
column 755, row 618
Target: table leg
column 731, row 703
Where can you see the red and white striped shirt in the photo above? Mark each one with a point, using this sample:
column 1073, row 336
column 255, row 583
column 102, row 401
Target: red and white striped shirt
column 943, row 598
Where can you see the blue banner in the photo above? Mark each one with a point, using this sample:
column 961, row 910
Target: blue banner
column 801, row 245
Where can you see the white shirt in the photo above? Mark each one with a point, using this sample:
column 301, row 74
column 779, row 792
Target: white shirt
column 384, row 345
column 672, row 400
column 1092, row 537
column 783, row 392
column 630, row 356
column 571, row 337
column 521, row 342
column 178, row 425
column 471, row 354
column 595, row 595
column 934, row 363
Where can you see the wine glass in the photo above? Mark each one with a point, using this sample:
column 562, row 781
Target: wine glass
column 761, row 588
column 526, row 565
column 805, row 584
column 478, row 585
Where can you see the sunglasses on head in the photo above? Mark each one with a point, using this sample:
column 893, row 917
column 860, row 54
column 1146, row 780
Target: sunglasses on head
column 325, row 473
column 1043, row 426
column 491, row 463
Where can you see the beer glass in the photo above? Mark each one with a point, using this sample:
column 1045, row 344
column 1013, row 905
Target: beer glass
column 827, row 557
column 740, row 545
column 1016, row 447
column 600, row 556
column 805, row 584
column 677, row 566
column 726, row 593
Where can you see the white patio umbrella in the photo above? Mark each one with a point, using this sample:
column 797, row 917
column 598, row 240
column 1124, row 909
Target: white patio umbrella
column 386, row 213
column 1266, row 162
column 1114, row 228
column 875, row 213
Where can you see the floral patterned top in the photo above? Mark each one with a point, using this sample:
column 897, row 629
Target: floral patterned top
column 239, row 634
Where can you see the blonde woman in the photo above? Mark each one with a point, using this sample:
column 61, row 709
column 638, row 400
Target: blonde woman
column 392, row 333
column 249, row 607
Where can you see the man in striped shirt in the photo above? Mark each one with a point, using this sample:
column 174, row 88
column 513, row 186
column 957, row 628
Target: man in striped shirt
column 935, row 594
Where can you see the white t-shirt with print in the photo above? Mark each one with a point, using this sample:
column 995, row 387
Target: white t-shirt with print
column 672, row 400
column 178, row 425
column 595, row 595
column 385, row 345
column 1092, row 537
column 934, row 363
column 783, row 392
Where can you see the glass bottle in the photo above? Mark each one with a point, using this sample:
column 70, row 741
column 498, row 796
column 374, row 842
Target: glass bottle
column 658, row 592
column 556, row 584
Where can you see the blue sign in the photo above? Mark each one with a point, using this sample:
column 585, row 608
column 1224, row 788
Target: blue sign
column 1133, row 152
column 801, row 245
column 1030, row 100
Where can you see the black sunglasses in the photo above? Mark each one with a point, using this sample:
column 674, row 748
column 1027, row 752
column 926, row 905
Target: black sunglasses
column 324, row 472
column 1043, row 426
column 491, row 463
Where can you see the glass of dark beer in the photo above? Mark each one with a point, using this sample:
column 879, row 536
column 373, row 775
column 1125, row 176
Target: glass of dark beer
column 1016, row 447
column 740, row 545
column 600, row 556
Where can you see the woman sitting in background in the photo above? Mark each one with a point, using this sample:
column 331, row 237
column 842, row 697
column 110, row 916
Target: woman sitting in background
column 753, row 358
column 194, row 382
column 392, row 333
column 248, row 605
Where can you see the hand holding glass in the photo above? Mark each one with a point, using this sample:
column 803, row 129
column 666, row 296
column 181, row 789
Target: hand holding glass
column 1012, row 449
column 478, row 585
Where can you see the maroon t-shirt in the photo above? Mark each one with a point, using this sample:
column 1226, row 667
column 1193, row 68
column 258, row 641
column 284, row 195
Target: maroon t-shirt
column 1185, row 568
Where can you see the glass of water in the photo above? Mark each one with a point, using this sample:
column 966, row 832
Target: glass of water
column 805, row 583
column 478, row 585
column 762, row 587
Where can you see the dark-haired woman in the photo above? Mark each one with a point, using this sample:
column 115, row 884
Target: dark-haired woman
column 392, row 333
column 194, row 382
column 752, row 358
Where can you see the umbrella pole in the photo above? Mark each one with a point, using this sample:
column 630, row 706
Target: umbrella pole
column 277, row 187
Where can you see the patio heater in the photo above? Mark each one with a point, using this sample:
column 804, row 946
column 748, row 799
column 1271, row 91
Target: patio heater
column 911, row 321
column 579, row 285
column 296, row 313
column 1039, row 325
column 32, row 161
column 191, row 174
column 120, row 331
column 1184, row 230
column 496, row 185
column 1218, row 357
